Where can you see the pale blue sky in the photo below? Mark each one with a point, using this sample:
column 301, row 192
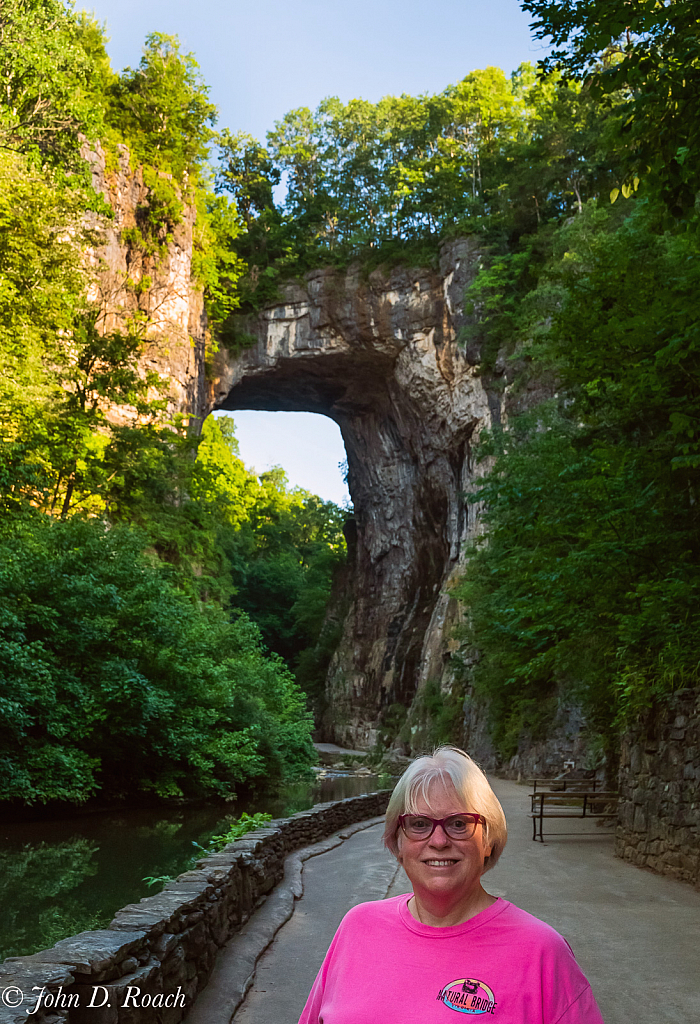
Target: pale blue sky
column 262, row 58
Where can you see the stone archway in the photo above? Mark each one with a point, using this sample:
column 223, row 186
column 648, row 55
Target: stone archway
column 380, row 357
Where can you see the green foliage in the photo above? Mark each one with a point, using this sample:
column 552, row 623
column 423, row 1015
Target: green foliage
column 114, row 679
column 386, row 182
column 51, row 63
column 58, row 89
column 360, row 173
column 283, row 563
column 649, row 51
column 162, row 109
column 238, row 828
column 216, row 266
column 435, row 716
column 392, row 726
column 40, row 269
column 586, row 582
column 100, row 624
column 280, row 550
column 152, row 880
column 164, row 207
column 247, row 172
column 589, row 576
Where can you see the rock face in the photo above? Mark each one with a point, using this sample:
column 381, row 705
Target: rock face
column 380, row 357
column 153, row 287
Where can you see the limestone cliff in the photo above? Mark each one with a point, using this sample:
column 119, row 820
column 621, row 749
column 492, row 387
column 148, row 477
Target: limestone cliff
column 157, row 287
column 380, row 357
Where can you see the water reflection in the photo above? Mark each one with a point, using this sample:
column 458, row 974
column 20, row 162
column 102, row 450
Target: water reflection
column 62, row 877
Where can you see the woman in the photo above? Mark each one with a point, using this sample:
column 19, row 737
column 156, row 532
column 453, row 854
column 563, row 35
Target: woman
column 449, row 946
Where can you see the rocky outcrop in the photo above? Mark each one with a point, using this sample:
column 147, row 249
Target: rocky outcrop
column 381, row 357
column 152, row 286
column 565, row 747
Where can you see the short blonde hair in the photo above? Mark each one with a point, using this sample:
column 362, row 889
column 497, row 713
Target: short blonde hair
column 448, row 764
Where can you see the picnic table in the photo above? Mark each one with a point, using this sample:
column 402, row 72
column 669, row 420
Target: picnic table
column 565, row 783
column 572, row 804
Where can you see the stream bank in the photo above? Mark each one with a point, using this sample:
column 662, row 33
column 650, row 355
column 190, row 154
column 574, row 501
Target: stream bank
column 65, row 876
column 160, row 951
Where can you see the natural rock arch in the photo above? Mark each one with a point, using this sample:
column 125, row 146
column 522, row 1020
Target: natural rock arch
column 380, row 357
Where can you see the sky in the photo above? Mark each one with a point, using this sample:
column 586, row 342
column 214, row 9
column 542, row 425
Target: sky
column 262, row 58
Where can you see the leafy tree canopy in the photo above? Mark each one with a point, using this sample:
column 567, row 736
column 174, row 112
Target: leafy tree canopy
column 114, row 680
column 388, row 180
column 650, row 52
column 588, row 578
column 52, row 62
column 162, row 108
column 585, row 583
column 117, row 524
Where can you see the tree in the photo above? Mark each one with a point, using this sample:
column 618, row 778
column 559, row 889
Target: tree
column 115, row 681
column 283, row 561
column 651, row 52
column 51, row 63
column 247, row 172
column 163, row 110
column 387, row 181
column 124, row 670
column 220, row 477
column 587, row 582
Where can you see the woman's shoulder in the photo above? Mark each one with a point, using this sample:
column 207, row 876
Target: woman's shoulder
column 503, row 923
column 377, row 908
column 374, row 911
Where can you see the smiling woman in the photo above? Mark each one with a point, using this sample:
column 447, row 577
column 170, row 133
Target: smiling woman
column 445, row 858
column 450, row 945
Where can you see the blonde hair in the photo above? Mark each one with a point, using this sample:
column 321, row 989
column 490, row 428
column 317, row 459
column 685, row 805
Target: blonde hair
column 448, row 765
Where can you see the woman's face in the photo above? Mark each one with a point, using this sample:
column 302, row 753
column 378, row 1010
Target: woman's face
column 440, row 865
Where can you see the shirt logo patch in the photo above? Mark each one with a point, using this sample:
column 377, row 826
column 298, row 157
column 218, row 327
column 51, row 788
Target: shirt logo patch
column 468, row 995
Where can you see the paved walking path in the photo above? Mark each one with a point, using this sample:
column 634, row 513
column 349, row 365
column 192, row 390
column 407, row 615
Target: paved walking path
column 635, row 934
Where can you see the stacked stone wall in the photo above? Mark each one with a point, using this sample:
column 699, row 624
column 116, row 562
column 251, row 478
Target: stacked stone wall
column 659, row 810
column 157, row 954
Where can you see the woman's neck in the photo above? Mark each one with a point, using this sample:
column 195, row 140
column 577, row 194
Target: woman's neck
column 443, row 913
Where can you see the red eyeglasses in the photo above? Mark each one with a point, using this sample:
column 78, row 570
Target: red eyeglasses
column 456, row 826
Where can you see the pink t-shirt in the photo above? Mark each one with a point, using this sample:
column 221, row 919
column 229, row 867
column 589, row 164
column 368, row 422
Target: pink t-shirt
column 384, row 967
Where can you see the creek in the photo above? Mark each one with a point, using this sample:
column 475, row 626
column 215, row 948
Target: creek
column 61, row 877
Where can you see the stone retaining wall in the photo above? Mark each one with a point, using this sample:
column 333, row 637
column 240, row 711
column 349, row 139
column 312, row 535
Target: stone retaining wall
column 659, row 810
column 156, row 955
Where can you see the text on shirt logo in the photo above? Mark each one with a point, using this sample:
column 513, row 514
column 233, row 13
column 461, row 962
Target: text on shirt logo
column 468, row 995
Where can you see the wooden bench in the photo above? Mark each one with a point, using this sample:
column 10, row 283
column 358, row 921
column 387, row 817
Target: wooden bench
column 563, row 785
column 574, row 804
